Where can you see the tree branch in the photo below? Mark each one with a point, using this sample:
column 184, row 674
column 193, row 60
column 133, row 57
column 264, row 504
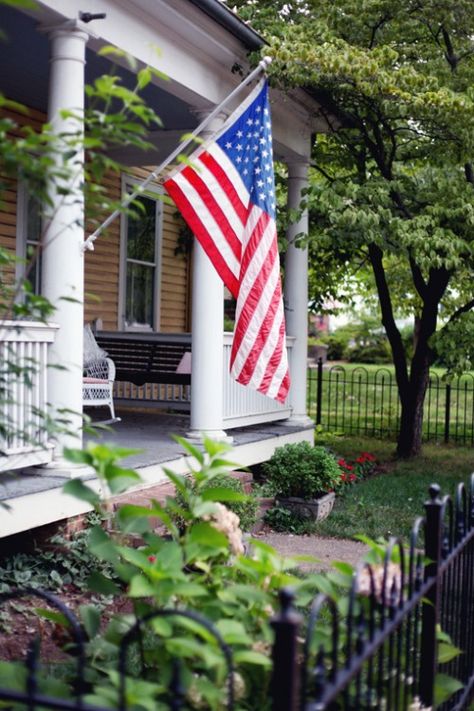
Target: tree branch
column 469, row 173
column 461, row 310
column 375, row 28
column 388, row 319
column 417, row 276
column 326, row 175
column 451, row 56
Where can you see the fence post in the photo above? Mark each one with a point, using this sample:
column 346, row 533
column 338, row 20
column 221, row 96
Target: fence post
column 430, row 609
column 284, row 684
column 319, row 392
column 447, row 413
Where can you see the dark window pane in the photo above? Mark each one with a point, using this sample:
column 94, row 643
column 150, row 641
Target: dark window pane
column 33, row 219
column 33, row 238
column 33, row 266
column 141, row 232
column 139, row 301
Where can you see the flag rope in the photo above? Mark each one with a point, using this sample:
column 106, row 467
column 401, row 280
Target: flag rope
column 89, row 242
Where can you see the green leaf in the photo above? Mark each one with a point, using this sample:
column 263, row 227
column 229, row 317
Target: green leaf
column 13, row 675
column 204, row 534
column 90, row 617
column 233, row 632
column 191, row 648
column 191, row 449
column 178, row 480
column 53, row 616
column 102, row 545
column 100, row 584
column 120, row 479
column 77, row 456
column 446, row 652
column 79, row 490
column 170, row 557
column 144, row 77
column 190, row 590
column 203, row 508
column 161, row 626
column 445, row 686
column 140, row 586
column 222, row 494
column 247, row 656
column 344, row 568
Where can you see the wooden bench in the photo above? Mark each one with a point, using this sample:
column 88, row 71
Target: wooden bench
column 146, row 357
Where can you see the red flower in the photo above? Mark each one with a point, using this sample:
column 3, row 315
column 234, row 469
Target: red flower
column 352, row 477
column 152, row 558
column 343, row 477
column 342, row 462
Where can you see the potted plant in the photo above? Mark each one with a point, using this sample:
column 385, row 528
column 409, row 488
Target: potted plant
column 303, row 479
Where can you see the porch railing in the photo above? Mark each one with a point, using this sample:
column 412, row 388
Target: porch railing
column 244, row 406
column 23, row 393
column 241, row 406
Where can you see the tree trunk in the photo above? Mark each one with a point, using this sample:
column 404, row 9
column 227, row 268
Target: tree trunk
column 411, row 419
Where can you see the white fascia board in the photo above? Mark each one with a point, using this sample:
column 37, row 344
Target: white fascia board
column 197, row 55
column 176, row 38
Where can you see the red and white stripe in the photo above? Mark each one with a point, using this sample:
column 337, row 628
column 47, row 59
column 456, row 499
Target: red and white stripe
column 240, row 240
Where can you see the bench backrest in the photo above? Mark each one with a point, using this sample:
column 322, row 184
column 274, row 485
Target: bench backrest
column 145, row 358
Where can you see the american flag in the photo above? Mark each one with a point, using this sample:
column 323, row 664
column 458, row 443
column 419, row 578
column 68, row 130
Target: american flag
column 227, row 196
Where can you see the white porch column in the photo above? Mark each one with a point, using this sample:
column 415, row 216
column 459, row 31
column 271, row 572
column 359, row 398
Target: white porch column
column 207, row 366
column 62, row 257
column 296, row 294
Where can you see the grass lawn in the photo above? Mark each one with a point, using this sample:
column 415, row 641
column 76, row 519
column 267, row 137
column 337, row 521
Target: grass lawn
column 387, row 503
column 359, row 399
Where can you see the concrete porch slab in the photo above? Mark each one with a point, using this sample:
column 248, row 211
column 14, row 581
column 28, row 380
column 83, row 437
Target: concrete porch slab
column 29, row 499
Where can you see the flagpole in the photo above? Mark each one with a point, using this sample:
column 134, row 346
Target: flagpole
column 89, row 242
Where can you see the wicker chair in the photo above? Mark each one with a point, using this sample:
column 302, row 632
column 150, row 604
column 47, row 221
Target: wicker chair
column 98, row 376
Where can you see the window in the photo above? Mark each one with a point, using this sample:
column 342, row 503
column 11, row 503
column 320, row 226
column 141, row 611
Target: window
column 140, row 253
column 29, row 233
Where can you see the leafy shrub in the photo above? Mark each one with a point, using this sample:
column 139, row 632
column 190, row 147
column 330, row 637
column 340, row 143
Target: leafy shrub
column 63, row 561
column 375, row 349
column 246, row 510
column 282, row 520
column 360, row 342
column 337, row 346
column 302, row 470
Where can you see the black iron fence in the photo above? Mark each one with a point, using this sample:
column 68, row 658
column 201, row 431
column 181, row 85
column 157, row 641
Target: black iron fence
column 401, row 639
column 364, row 401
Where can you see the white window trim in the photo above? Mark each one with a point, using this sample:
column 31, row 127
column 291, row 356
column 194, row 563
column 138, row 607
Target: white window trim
column 127, row 182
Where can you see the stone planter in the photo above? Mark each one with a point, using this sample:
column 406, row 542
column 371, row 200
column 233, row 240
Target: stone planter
column 311, row 509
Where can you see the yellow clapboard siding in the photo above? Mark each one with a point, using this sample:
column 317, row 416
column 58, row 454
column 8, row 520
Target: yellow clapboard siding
column 102, row 265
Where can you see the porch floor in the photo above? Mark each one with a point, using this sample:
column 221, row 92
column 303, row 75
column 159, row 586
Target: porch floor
column 33, row 497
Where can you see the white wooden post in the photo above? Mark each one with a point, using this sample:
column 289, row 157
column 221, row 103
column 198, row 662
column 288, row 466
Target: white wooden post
column 296, row 294
column 207, row 361
column 62, row 256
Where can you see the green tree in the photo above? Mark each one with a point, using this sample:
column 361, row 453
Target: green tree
column 392, row 184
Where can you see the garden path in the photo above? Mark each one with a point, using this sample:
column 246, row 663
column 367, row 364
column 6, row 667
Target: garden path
column 326, row 550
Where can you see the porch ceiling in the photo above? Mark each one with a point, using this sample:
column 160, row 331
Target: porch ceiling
column 24, row 62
